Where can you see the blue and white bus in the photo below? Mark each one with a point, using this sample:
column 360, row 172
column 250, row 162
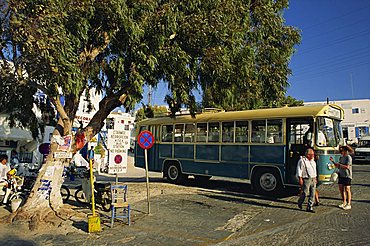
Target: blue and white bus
column 260, row 146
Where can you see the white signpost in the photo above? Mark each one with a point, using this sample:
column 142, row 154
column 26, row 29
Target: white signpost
column 118, row 144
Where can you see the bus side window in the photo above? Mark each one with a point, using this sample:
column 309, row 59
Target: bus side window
column 167, row 132
column 258, row 131
column 274, row 131
column 179, row 130
column 189, row 133
column 201, row 132
column 214, row 132
column 228, row 132
column 241, row 132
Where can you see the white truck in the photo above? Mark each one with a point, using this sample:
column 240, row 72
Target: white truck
column 362, row 152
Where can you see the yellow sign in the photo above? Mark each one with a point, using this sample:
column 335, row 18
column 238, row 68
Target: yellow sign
column 94, row 223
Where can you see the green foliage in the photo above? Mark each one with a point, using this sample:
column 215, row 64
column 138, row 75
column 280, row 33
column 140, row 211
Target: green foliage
column 99, row 149
column 290, row 102
column 236, row 52
column 148, row 111
column 256, row 64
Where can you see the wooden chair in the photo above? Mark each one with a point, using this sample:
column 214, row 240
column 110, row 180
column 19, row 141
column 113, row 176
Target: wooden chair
column 120, row 206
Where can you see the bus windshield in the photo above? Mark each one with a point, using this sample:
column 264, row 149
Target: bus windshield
column 328, row 132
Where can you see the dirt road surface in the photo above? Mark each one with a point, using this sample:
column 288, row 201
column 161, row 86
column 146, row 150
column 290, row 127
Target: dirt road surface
column 216, row 213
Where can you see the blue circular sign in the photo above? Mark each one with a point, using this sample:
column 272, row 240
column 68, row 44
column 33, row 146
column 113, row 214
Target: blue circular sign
column 146, row 139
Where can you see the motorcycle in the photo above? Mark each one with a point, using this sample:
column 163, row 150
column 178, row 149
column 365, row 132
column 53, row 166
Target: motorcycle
column 75, row 171
column 15, row 191
column 102, row 195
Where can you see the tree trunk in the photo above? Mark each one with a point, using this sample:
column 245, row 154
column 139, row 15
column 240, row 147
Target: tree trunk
column 45, row 198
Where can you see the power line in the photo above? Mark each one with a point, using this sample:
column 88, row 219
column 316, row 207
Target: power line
column 334, row 42
column 337, row 17
column 305, row 38
column 333, row 62
column 337, row 69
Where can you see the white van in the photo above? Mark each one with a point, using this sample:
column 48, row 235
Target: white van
column 362, row 152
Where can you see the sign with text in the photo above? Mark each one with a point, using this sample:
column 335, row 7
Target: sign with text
column 60, row 155
column 118, row 139
column 117, row 162
column 118, row 145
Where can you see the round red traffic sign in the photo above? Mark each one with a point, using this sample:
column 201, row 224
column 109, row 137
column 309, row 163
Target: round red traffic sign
column 118, row 159
column 145, row 139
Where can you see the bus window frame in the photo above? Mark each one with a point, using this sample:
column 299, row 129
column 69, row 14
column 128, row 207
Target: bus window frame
column 247, row 135
column 181, row 133
column 192, row 137
column 265, row 131
column 167, row 133
column 222, row 132
column 210, row 135
column 197, row 135
column 280, row 135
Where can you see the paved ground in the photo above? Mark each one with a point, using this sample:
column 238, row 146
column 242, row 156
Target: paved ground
column 220, row 212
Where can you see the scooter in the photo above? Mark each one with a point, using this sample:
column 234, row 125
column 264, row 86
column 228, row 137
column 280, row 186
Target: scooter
column 13, row 190
column 102, row 195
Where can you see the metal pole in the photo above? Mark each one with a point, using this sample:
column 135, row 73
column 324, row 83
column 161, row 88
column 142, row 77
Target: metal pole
column 92, row 188
column 116, row 178
column 147, row 178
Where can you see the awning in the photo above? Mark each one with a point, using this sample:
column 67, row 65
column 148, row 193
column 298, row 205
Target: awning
column 14, row 133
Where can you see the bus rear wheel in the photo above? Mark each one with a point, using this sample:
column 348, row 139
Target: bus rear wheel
column 173, row 173
column 267, row 181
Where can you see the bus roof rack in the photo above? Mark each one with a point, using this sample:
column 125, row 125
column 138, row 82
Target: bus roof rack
column 212, row 110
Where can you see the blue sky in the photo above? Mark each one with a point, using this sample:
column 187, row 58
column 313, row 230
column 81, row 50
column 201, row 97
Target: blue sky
column 333, row 59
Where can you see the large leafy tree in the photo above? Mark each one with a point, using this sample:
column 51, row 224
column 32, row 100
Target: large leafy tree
column 252, row 72
column 62, row 47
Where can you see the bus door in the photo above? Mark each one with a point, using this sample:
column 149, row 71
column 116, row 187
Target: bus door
column 299, row 138
column 153, row 152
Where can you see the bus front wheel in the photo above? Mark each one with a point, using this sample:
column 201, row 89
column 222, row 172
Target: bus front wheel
column 173, row 173
column 267, row 181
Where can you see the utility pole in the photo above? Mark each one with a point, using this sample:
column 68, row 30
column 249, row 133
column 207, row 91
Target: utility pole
column 150, row 95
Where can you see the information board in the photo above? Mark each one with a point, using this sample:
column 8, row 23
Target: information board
column 118, row 145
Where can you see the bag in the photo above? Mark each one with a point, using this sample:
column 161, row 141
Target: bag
column 334, row 175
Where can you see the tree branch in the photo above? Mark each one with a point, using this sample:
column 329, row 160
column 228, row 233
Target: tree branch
column 106, row 105
column 90, row 54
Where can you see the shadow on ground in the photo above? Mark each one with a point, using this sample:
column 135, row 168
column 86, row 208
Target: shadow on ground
column 16, row 241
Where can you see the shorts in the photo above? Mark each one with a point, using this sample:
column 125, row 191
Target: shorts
column 344, row 181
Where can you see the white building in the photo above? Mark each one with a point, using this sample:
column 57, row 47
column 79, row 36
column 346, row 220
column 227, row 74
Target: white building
column 116, row 120
column 356, row 121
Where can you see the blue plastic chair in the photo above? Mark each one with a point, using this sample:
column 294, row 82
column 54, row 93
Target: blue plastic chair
column 120, row 206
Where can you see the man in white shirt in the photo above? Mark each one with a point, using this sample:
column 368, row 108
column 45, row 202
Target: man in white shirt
column 4, row 169
column 306, row 171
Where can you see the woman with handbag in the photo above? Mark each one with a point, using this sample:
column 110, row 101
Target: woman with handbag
column 345, row 176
